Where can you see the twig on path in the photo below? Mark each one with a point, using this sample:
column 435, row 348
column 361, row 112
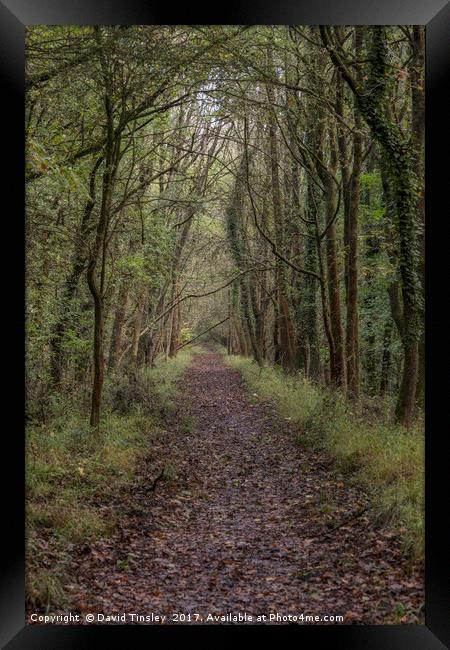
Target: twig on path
column 158, row 478
column 357, row 514
column 347, row 520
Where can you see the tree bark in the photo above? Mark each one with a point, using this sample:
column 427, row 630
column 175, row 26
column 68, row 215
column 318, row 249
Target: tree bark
column 399, row 158
column 337, row 365
column 99, row 249
column 142, row 303
column 351, row 209
column 386, row 357
column 285, row 349
column 119, row 319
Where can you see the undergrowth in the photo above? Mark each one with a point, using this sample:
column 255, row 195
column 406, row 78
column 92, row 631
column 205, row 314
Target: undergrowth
column 386, row 460
column 72, row 474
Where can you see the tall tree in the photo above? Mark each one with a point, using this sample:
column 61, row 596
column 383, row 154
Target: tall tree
column 372, row 102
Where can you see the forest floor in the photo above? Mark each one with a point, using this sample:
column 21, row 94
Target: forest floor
column 245, row 520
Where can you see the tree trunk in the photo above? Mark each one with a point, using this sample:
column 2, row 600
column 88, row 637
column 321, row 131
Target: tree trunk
column 97, row 385
column 406, row 400
column 351, row 196
column 337, row 365
column 99, row 251
column 285, row 343
column 386, row 358
column 400, row 163
column 137, row 328
column 119, row 319
column 175, row 326
column 310, row 309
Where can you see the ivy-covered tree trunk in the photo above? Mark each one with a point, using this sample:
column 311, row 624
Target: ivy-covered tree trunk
column 399, row 160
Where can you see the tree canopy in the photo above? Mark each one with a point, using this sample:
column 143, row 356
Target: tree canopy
column 259, row 185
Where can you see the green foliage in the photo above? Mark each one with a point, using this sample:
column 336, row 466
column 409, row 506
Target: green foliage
column 76, row 346
column 371, row 181
column 166, row 373
column 186, row 334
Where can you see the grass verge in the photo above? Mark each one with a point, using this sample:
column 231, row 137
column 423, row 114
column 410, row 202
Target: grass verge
column 72, row 475
column 384, row 459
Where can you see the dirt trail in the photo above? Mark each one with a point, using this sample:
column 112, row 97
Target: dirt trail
column 245, row 525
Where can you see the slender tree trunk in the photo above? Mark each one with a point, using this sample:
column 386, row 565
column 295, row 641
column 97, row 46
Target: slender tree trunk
column 351, row 196
column 99, row 250
column 138, row 327
column 326, row 169
column 338, row 361
column 286, row 332
column 230, row 322
column 175, row 326
column 97, row 385
column 386, row 357
column 310, row 306
column 119, row 319
column 352, row 334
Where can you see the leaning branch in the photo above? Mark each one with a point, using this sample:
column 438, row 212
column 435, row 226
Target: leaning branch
column 42, row 77
column 337, row 56
column 202, row 333
column 201, row 295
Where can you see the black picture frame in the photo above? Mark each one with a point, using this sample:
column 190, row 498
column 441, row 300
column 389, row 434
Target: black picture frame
column 435, row 14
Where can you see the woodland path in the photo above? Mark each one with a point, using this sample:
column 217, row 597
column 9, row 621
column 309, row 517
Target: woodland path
column 245, row 525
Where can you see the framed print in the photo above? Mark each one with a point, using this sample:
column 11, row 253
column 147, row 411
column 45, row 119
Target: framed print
column 233, row 422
